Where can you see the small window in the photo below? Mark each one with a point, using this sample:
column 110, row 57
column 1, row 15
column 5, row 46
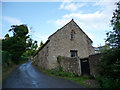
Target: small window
column 73, row 53
column 72, row 34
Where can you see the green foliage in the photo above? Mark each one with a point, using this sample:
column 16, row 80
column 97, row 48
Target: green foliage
column 19, row 30
column 59, row 59
column 62, row 73
column 6, row 57
column 16, row 45
column 36, row 51
column 6, row 36
column 109, row 69
column 6, row 61
column 60, row 68
column 109, row 65
column 114, row 36
column 102, row 49
column 31, row 48
column 108, row 82
column 66, row 75
column 23, row 59
column 41, row 44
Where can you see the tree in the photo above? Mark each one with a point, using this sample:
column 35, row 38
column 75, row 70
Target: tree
column 6, row 36
column 16, row 45
column 113, row 37
column 41, row 44
column 109, row 65
column 31, row 50
column 19, row 30
column 36, row 51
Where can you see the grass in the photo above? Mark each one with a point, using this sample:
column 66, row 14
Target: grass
column 67, row 75
column 80, row 80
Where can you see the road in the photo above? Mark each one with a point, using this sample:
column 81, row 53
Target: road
column 27, row 76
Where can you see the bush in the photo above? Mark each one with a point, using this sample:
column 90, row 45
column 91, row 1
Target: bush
column 59, row 59
column 6, row 61
column 110, row 63
column 23, row 59
column 108, row 82
column 60, row 68
column 109, row 69
column 62, row 73
column 6, row 57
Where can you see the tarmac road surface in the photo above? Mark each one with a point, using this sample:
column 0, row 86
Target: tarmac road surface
column 27, row 76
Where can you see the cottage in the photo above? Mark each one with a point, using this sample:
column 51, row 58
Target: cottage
column 69, row 41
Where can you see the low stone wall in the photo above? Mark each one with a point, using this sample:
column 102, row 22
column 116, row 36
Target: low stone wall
column 71, row 64
column 74, row 65
column 93, row 63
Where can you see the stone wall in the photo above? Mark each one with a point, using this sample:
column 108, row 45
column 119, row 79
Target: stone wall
column 61, row 43
column 93, row 62
column 74, row 65
column 67, row 63
column 41, row 58
column 71, row 65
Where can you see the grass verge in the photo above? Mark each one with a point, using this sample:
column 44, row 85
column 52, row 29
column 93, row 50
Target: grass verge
column 67, row 75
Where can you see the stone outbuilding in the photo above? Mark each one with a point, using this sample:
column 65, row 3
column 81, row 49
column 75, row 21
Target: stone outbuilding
column 68, row 41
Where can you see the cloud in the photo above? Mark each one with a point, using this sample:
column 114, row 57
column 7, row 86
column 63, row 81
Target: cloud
column 89, row 21
column 71, row 6
column 74, row 5
column 97, row 20
column 93, row 19
column 61, row 22
column 12, row 20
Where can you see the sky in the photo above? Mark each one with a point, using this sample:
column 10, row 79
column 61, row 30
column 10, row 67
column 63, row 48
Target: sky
column 44, row 18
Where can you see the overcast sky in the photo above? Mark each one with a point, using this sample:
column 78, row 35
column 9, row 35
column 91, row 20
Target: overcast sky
column 44, row 18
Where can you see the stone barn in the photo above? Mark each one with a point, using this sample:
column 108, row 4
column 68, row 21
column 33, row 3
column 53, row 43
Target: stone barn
column 68, row 41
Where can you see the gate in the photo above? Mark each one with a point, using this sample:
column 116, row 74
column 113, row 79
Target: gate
column 85, row 66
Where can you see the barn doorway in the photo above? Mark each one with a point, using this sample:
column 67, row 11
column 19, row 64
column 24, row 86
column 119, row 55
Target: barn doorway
column 85, row 66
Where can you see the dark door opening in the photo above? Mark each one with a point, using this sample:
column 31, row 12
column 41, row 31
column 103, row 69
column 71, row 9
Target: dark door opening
column 85, row 66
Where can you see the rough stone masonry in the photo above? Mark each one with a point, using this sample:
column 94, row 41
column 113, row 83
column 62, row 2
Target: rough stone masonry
column 68, row 41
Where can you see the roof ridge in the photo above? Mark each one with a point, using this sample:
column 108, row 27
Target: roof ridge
column 66, row 25
column 82, row 30
column 60, row 28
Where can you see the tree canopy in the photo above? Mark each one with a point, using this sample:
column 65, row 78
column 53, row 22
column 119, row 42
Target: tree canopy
column 113, row 37
column 109, row 64
column 16, row 44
